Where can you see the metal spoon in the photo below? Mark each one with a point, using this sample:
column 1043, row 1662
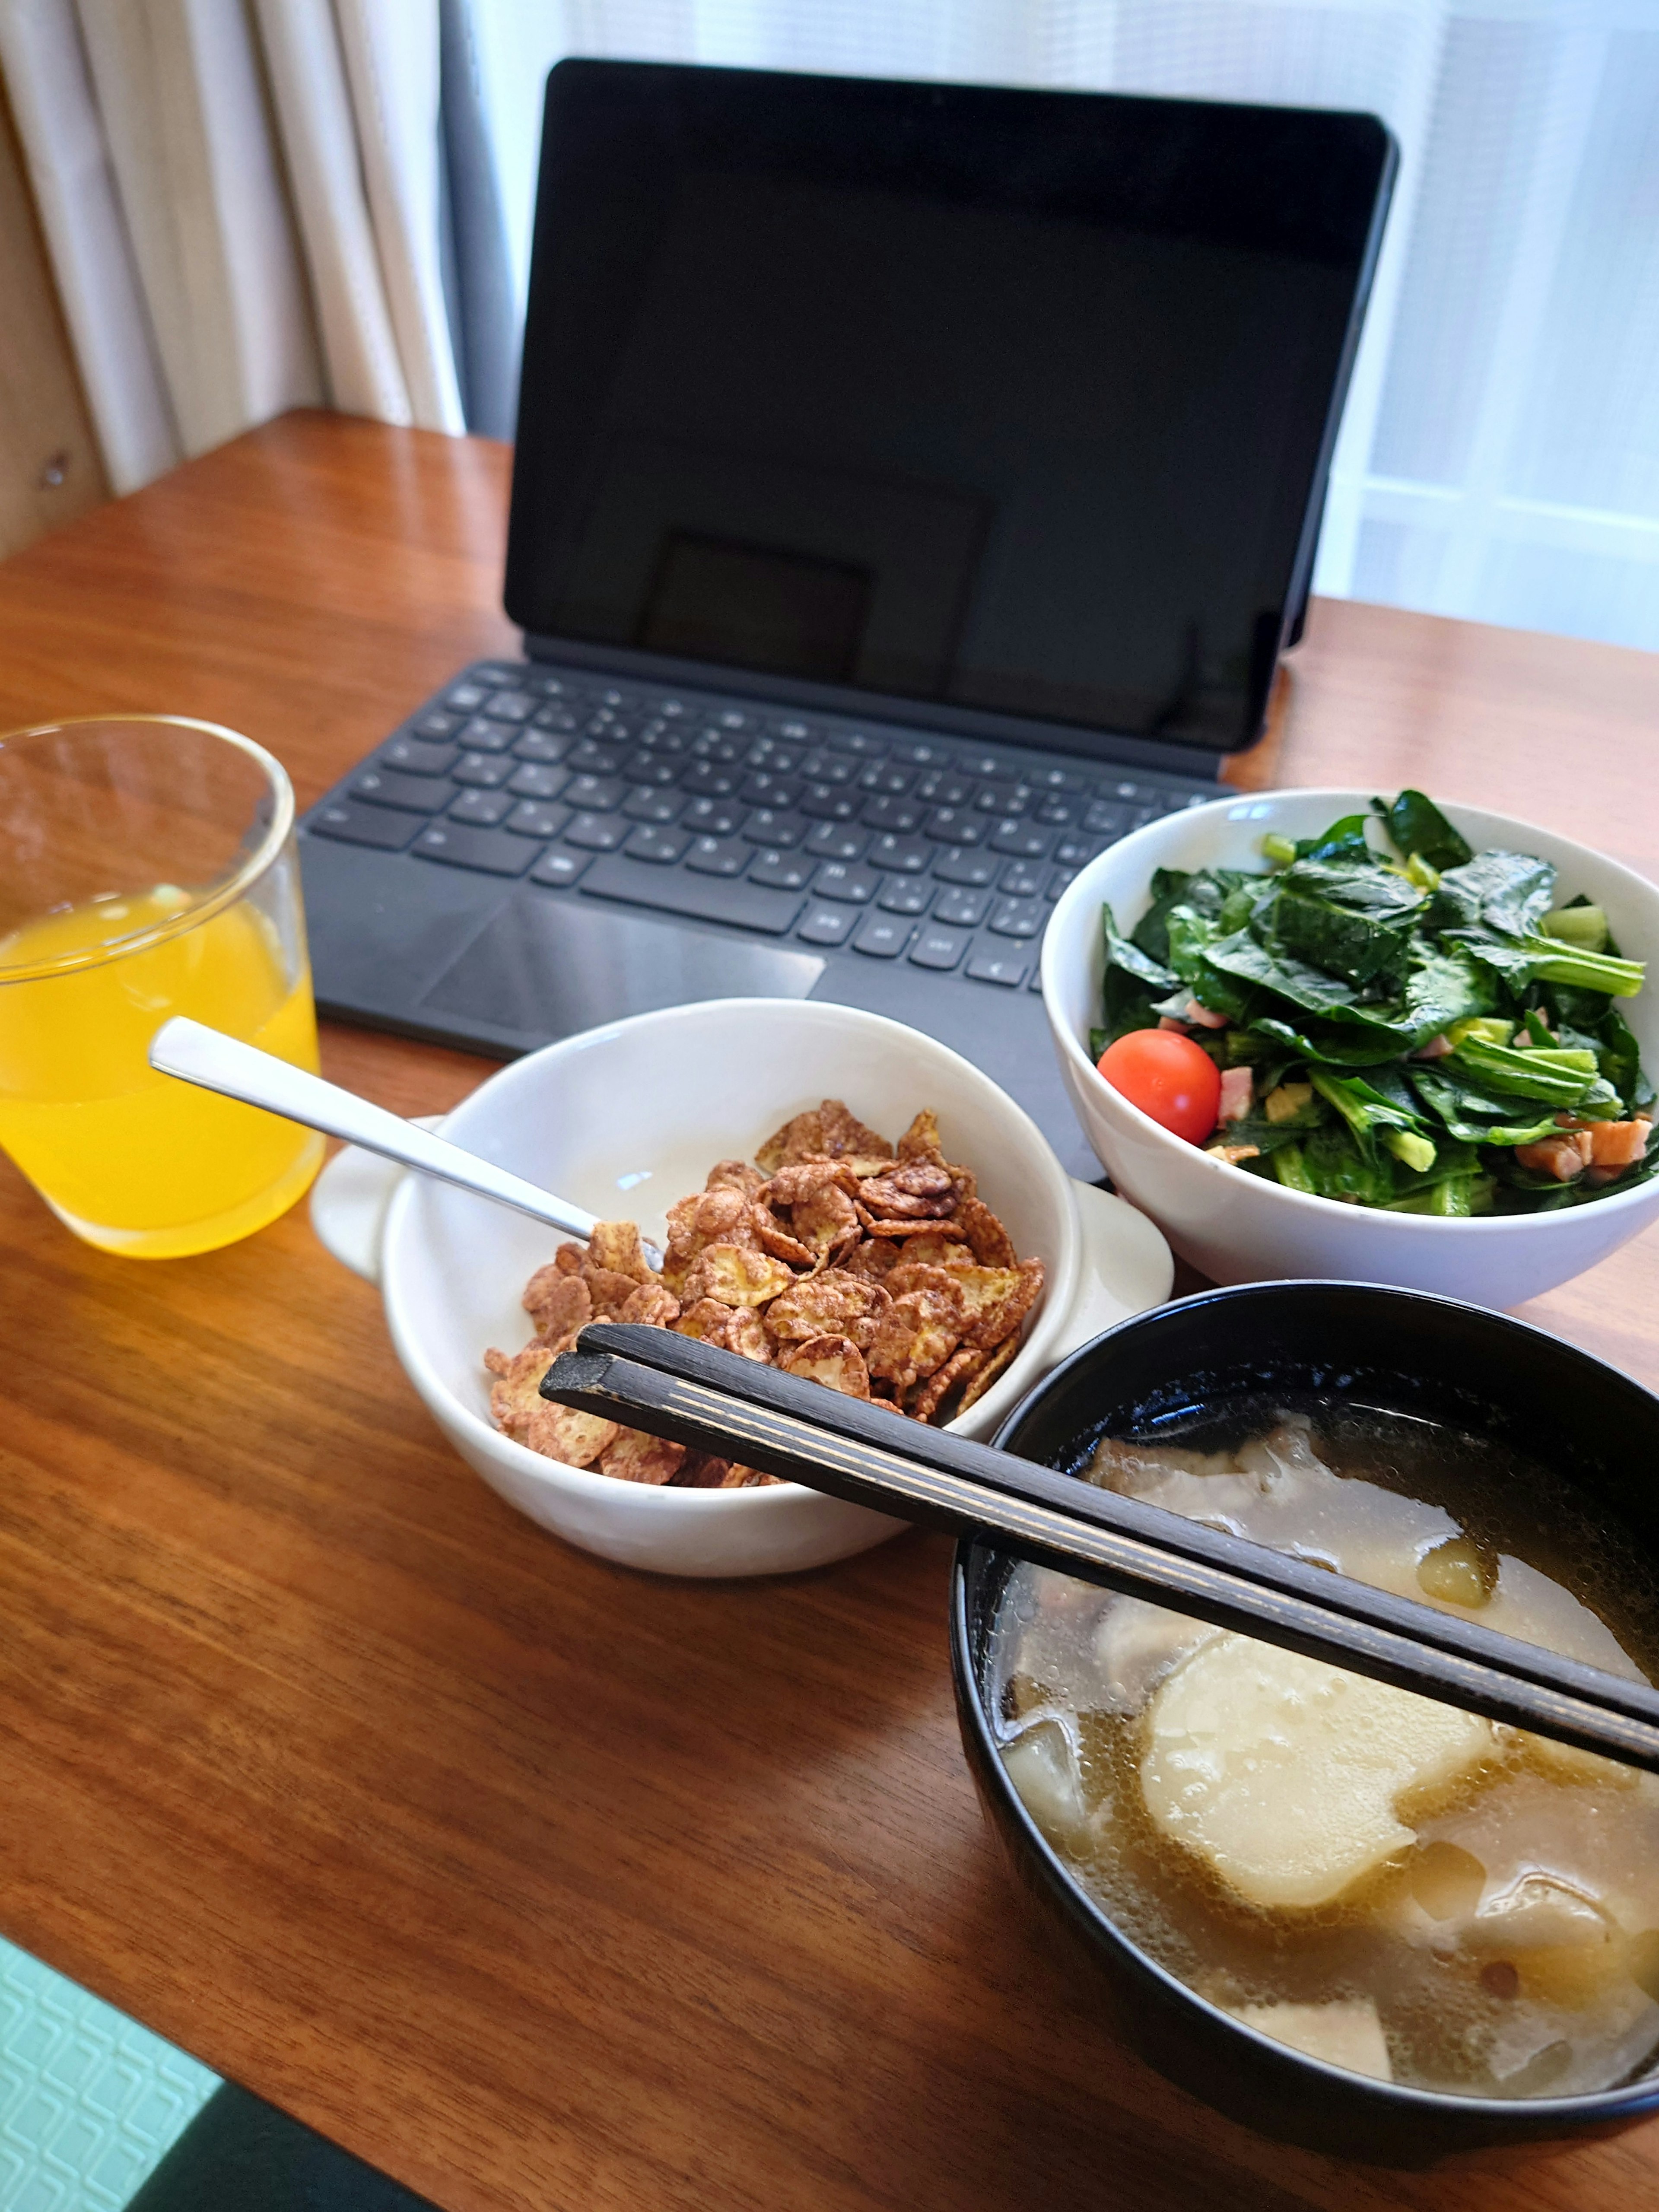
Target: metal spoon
column 214, row 1061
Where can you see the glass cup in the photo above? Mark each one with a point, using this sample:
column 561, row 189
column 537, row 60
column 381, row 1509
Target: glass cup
column 148, row 868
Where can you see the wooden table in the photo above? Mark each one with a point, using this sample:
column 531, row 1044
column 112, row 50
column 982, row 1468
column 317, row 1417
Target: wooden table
column 538, row 1883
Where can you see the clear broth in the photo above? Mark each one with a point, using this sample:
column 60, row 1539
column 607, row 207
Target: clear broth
column 1462, row 2004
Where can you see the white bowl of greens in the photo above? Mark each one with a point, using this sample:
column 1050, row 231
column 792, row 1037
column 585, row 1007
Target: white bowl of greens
column 1423, row 998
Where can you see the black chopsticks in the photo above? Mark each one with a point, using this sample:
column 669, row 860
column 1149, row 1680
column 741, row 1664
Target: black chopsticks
column 675, row 1387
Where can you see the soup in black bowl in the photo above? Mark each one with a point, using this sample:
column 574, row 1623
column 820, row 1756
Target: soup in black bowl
column 1349, row 1916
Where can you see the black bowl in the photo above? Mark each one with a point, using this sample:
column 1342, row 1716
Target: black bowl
column 1473, row 1370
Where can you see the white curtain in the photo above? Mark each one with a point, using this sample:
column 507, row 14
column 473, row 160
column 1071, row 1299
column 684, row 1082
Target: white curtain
column 252, row 203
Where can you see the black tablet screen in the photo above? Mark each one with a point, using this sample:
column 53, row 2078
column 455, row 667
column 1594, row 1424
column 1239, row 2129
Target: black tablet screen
column 1013, row 400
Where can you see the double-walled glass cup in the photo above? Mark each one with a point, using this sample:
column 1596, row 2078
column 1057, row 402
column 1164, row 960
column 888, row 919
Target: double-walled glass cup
column 148, row 868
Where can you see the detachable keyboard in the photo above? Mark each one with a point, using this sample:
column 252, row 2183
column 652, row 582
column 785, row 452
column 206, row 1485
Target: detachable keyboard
column 943, row 851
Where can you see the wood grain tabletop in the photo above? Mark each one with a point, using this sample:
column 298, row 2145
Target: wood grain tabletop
column 538, row 1883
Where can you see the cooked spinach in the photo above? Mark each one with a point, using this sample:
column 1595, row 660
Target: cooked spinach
column 1339, row 965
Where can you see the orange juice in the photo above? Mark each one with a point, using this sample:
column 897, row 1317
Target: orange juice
column 133, row 1161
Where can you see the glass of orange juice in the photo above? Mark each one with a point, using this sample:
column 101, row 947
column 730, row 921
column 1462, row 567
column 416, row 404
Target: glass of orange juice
column 148, row 868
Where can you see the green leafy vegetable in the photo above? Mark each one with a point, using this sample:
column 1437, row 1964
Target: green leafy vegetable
column 1344, row 963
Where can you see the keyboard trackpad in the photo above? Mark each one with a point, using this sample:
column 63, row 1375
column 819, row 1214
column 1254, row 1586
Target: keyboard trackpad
column 546, row 968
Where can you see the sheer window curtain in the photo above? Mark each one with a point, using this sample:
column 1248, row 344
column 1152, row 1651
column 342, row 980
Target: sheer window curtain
column 256, row 202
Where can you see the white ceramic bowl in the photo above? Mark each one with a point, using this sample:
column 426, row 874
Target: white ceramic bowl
column 1240, row 1228
column 625, row 1120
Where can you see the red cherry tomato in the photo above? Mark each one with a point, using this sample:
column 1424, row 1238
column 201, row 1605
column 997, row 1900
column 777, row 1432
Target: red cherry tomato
column 1167, row 1076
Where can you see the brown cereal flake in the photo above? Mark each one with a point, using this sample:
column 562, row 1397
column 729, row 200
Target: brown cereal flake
column 916, row 1335
column 917, row 1191
column 996, row 1359
column 936, row 1244
column 609, row 1291
column 940, row 1225
column 650, row 1305
column 993, row 1246
column 738, row 1477
column 736, row 1275
column 832, row 1302
column 734, row 1175
column 616, row 1247
column 996, row 1300
column 636, row 1457
column 921, row 1140
column 874, row 1259
column 805, row 1178
column 931, row 1394
column 568, row 1258
column 558, row 1303
column 514, row 1396
column 772, row 1237
column 825, row 1132
column 835, row 1361
column 825, row 1220
column 563, row 1433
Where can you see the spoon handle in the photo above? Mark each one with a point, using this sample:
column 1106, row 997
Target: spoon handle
column 214, row 1062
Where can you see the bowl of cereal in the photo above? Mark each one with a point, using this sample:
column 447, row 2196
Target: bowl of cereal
column 833, row 1193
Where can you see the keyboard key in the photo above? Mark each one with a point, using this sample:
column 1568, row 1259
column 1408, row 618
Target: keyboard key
column 1059, row 813
column 887, row 780
column 559, row 870
column 1055, row 779
column 938, row 948
column 793, row 727
column 1027, row 841
column 718, row 856
column 981, row 765
column 653, row 807
column 417, row 758
column 366, row 825
column 829, row 802
column 1023, row 880
column 539, row 745
column 826, row 925
column 596, row 794
column 1018, row 917
column 491, row 850
column 964, row 907
column 647, row 768
column 1006, row 968
column 768, row 790
column 825, row 767
column 1072, row 852
column 730, row 719
column 891, row 814
column 551, row 687
column 533, row 780
column 651, row 842
column 486, row 737
column 495, row 673
column 701, row 898
column 531, row 818
column 922, row 753
column 941, row 790
column 597, row 833
column 705, row 780
column 511, row 706
column 422, row 795
column 437, row 725
column 955, row 825
column 466, row 698
column 905, row 895
column 975, row 870
column 482, row 809
column 715, row 818
column 832, row 840
column 842, row 879
column 596, row 760
column 557, row 717
column 1007, row 799
column 1107, row 816
column 1057, row 882
column 907, row 856
column 883, row 937
column 774, row 825
column 857, row 741
column 486, row 770
column 784, row 872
